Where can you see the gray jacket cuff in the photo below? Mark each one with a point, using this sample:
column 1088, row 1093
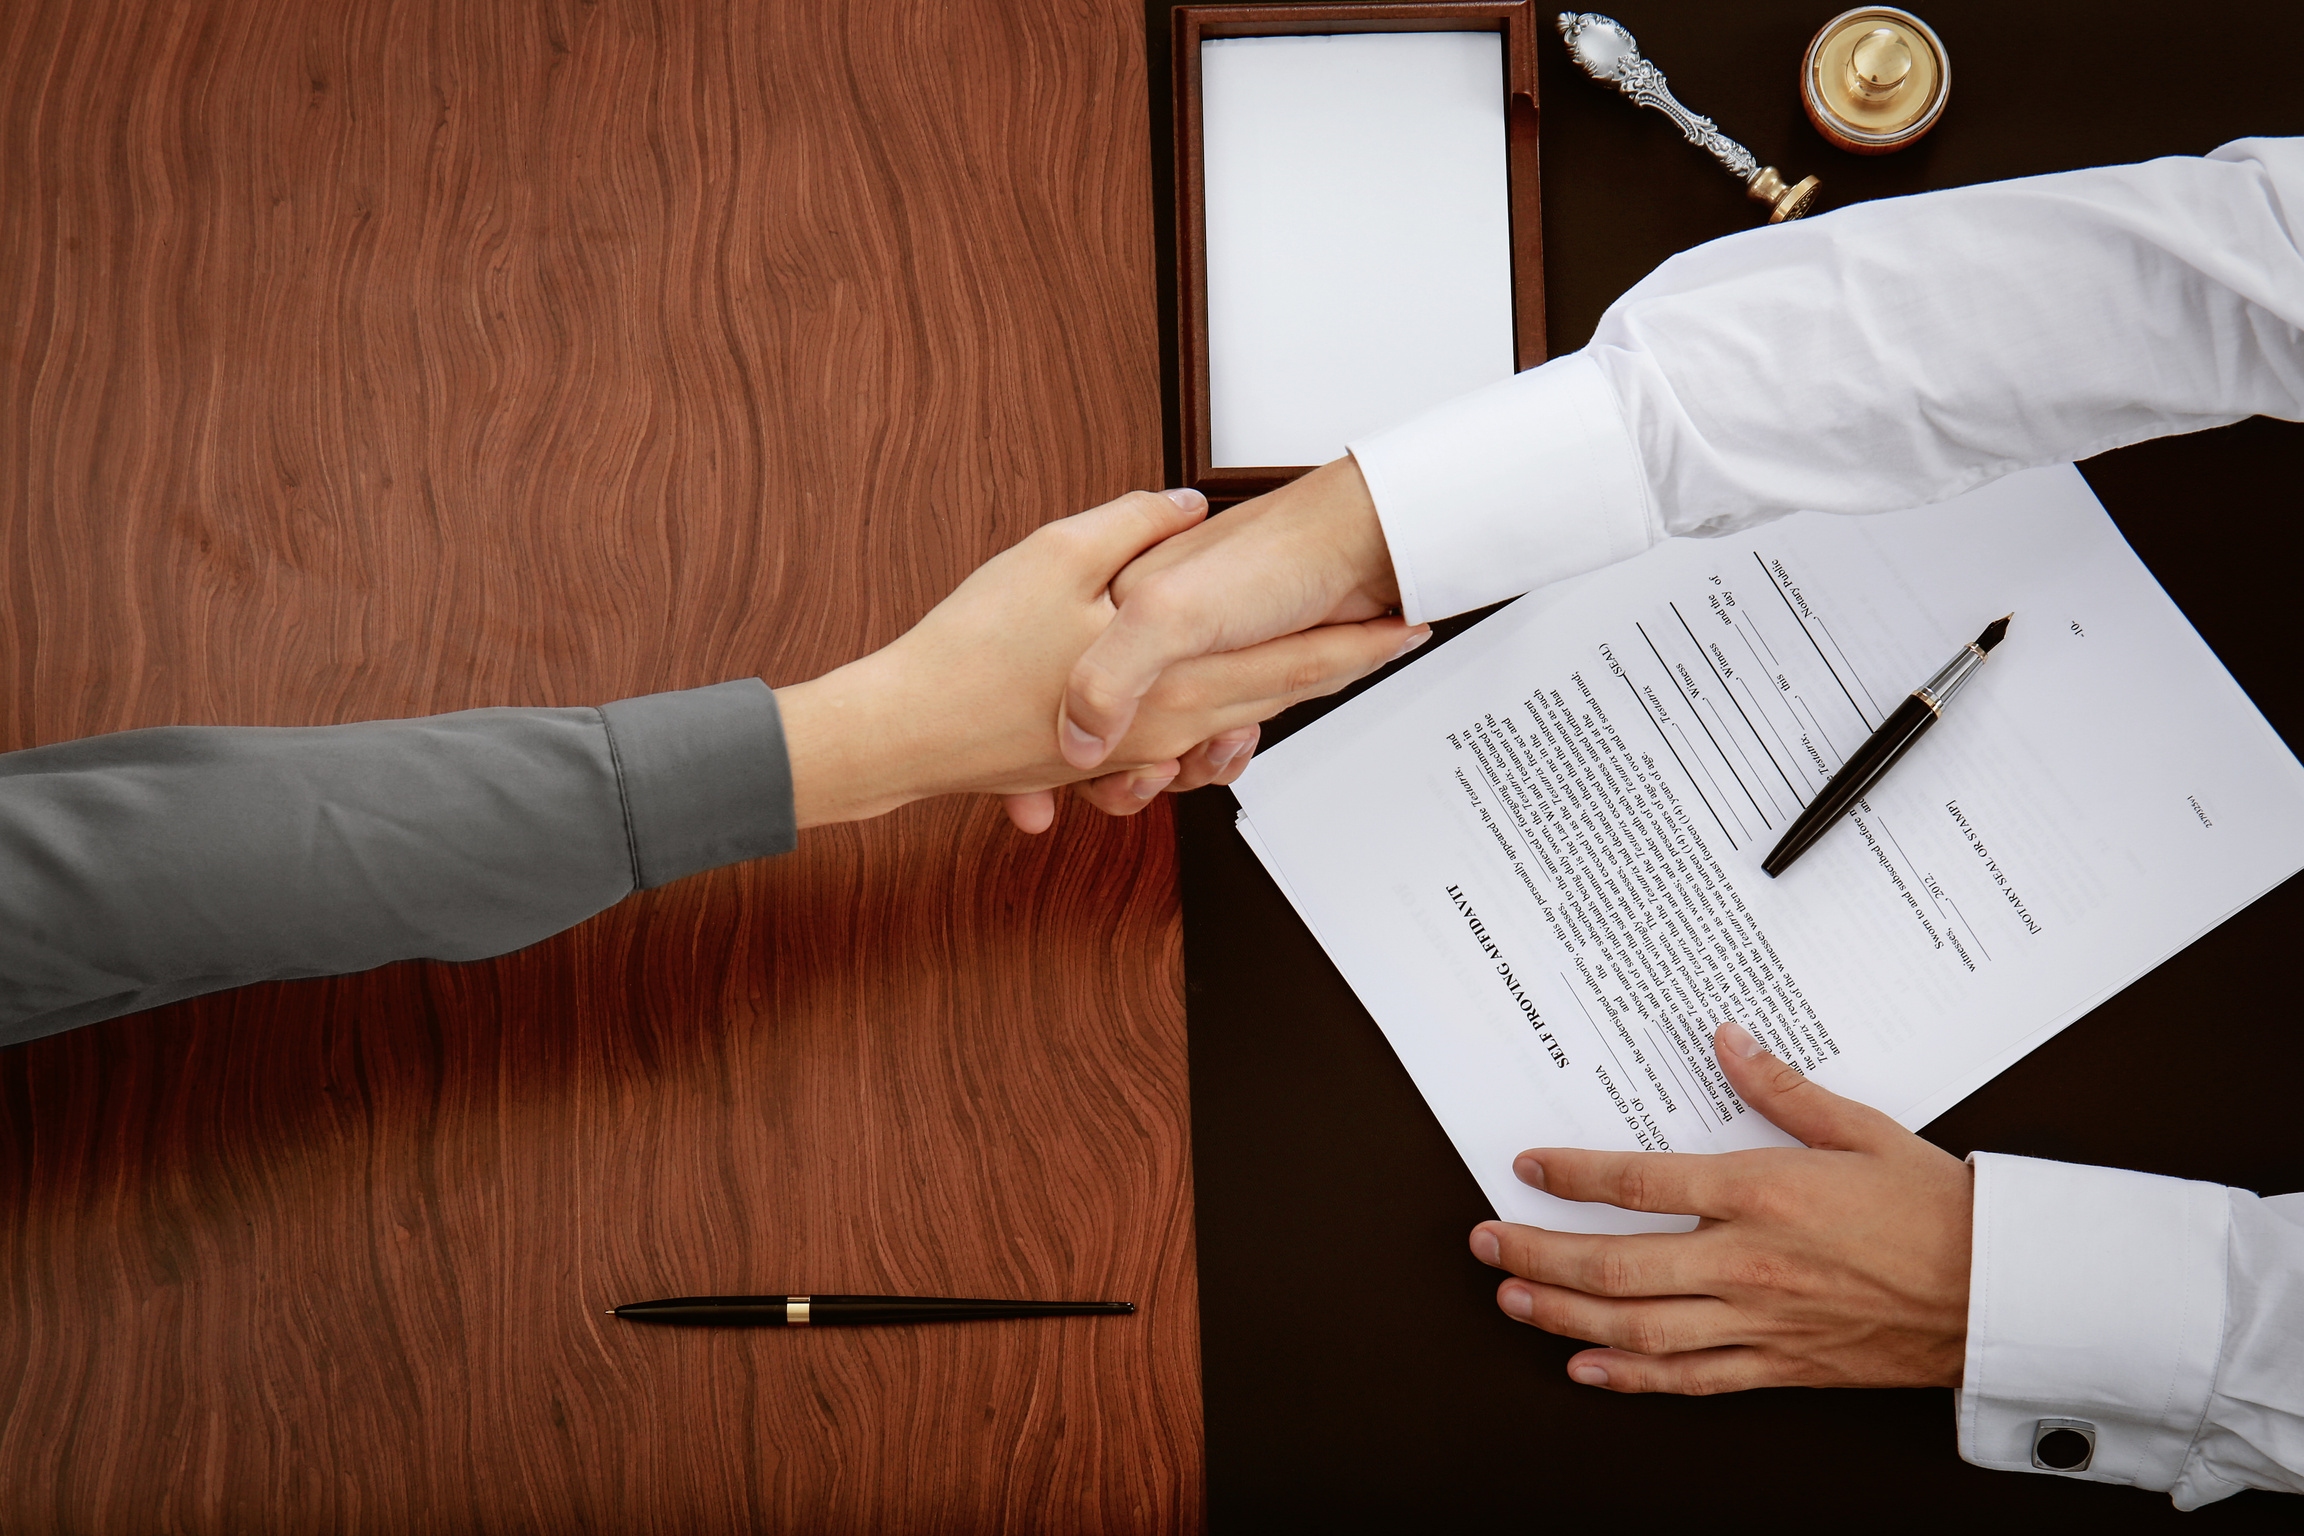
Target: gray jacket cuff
column 705, row 778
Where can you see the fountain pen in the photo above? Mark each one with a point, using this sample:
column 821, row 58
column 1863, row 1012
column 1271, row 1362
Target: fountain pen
column 1920, row 710
column 846, row 1311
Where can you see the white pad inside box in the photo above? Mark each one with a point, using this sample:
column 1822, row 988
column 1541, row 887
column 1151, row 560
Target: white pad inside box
column 1358, row 235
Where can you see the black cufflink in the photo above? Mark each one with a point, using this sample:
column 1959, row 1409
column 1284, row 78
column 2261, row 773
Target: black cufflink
column 2063, row 1445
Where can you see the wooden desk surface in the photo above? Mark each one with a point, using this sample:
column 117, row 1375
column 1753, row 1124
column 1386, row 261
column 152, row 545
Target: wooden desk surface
column 370, row 359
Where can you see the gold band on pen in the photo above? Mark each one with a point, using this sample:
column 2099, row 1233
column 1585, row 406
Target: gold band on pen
column 795, row 1311
column 1929, row 699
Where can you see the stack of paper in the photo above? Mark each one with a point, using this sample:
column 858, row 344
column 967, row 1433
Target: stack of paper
column 1536, row 853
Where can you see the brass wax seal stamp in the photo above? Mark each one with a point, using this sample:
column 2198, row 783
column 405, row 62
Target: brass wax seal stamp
column 1875, row 79
column 1607, row 53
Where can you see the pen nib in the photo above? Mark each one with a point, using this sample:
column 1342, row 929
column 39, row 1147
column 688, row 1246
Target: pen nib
column 1994, row 633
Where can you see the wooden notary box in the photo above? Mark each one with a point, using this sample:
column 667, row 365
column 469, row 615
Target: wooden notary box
column 1434, row 312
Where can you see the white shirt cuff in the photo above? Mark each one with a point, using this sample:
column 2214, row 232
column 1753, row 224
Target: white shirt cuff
column 1500, row 491
column 2094, row 1294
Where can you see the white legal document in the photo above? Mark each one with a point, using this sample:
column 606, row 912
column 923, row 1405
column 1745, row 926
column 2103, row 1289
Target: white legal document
column 1536, row 854
column 1359, row 234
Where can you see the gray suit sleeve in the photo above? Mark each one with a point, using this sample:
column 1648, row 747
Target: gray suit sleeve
column 154, row 865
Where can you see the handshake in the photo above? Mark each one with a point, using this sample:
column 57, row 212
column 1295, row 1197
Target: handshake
column 1134, row 648
column 1127, row 650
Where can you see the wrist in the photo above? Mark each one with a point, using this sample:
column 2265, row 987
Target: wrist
column 847, row 734
column 1334, row 502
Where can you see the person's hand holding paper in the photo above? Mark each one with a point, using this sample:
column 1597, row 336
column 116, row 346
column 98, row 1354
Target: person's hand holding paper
column 1841, row 1263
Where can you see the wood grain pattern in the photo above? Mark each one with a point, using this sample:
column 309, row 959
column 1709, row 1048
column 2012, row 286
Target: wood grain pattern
column 379, row 357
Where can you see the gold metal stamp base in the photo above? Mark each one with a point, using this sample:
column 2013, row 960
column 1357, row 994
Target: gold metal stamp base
column 1874, row 79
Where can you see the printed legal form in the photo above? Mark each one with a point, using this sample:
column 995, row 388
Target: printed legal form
column 1535, row 854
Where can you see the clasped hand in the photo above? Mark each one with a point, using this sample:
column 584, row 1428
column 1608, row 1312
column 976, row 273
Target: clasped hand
column 967, row 700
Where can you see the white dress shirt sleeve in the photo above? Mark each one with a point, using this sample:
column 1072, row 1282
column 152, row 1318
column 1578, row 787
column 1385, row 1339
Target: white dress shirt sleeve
column 1887, row 355
column 2166, row 1313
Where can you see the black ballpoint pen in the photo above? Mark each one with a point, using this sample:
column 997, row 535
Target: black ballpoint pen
column 1864, row 767
column 846, row 1311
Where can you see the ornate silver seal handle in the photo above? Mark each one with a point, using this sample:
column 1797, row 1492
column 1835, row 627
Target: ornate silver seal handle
column 1608, row 54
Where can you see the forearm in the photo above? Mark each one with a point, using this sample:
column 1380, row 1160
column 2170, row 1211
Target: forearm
column 154, row 865
column 1883, row 356
column 149, row 866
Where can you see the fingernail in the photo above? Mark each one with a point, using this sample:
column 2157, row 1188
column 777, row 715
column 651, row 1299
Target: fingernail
column 1076, row 737
column 1186, row 497
column 1529, row 1171
column 1589, row 1375
column 1145, row 789
column 1221, row 753
column 1517, row 1302
column 1739, row 1041
column 1415, row 638
column 1485, row 1248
